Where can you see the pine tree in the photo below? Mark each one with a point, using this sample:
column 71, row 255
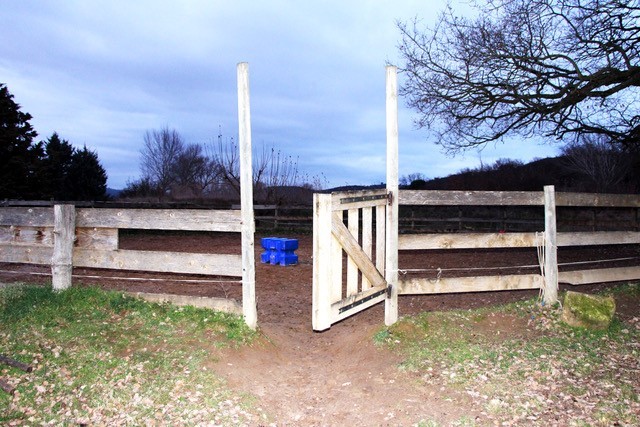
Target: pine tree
column 18, row 155
column 87, row 176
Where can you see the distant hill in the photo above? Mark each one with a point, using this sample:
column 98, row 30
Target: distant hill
column 510, row 175
column 113, row 193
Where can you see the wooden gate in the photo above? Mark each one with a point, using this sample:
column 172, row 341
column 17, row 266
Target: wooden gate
column 359, row 245
column 367, row 245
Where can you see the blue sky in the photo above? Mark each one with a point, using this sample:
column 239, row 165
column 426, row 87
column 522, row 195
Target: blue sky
column 101, row 73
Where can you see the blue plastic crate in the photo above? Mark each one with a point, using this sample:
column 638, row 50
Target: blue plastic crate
column 279, row 251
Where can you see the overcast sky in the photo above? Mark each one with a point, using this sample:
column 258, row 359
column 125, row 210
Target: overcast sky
column 101, row 73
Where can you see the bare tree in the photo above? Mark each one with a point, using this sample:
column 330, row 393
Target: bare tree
column 194, row 171
column 604, row 165
column 161, row 149
column 272, row 169
column 561, row 68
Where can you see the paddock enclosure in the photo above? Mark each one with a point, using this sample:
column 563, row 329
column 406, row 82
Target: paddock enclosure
column 359, row 254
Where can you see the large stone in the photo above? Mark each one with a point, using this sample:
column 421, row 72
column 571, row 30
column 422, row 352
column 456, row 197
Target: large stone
column 588, row 311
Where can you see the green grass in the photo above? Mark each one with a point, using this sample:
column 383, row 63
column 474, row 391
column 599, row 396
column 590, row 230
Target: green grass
column 104, row 358
column 526, row 366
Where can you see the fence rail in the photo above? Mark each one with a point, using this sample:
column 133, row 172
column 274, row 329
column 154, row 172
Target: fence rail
column 551, row 239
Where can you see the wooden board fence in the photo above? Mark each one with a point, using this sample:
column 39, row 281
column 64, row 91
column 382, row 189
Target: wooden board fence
column 65, row 237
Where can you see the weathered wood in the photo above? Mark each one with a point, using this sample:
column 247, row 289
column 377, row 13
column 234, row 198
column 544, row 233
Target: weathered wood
column 6, row 360
column 336, row 267
column 161, row 219
column 551, row 247
column 358, row 199
column 418, row 286
column 34, row 217
column 466, row 241
column 322, row 258
column 26, row 235
column 218, row 304
column 26, row 254
column 598, row 238
column 391, row 272
column 246, row 198
column 381, row 232
column 354, row 250
column 598, row 200
column 584, row 277
column 352, row 269
column 97, row 238
column 367, row 239
column 164, row 262
column 6, row 387
column 471, row 198
column 64, row 237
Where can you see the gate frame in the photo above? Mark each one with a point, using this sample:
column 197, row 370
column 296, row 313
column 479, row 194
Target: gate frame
column 330, row 237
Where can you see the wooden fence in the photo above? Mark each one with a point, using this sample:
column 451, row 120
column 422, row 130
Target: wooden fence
column 65, row 237
column 551, row 239
column 353, row 229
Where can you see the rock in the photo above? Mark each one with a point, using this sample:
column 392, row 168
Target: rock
column 588, row 311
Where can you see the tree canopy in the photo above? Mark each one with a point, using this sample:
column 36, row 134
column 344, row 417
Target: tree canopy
column 558, row 68
column 51, row 169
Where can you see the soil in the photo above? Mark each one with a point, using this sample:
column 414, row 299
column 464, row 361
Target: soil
column 336, row 377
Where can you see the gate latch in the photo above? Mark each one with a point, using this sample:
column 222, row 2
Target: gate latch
column 389, row 288
column 390, row 198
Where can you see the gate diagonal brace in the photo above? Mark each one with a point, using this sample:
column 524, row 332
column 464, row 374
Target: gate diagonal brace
column 362, row 301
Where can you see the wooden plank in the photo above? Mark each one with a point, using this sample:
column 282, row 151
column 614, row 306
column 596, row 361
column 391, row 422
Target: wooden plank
column 246, row 199
column 598, row 200
column 97, row 238
column 550, row 247
column 217, row 304
column 336, row 269
column 418, row 286
column 367, row 240
column 471, row 198
column 598, row 238
column 64, row 231
column 369, row 295
column 583, row 277
column 466, row 241
column 391, row 272
column 352, row 268
column 26, row 254
column 381, row 239
column 26, row 235
column 349, row 199
column 352, row 248
column 161, row 219
column 34, row 217
column 164, row 262
column 322, row 258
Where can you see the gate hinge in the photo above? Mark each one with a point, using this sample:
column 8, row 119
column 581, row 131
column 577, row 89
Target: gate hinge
column 390, row 198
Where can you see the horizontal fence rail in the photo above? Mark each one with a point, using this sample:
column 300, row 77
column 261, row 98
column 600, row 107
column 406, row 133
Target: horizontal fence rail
column 35, row 235
column 550, row 239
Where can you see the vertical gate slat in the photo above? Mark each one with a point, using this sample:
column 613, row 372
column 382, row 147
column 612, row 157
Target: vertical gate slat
column 381, row 220
column 352, row 269
column 322, row 262
column 336, row 270
column 367, row 240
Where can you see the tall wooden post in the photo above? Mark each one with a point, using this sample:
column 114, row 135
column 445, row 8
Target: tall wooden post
column 322, row 263
column 391, row 271
column 551, row 247
column 246, row 199
column 64, row 235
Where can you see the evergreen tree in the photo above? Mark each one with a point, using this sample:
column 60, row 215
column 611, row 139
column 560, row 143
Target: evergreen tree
column 53, row 172
column 18, row 156
column 87, row 176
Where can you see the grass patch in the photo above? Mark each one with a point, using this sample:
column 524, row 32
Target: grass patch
column 105, row 358
column 520, row 364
